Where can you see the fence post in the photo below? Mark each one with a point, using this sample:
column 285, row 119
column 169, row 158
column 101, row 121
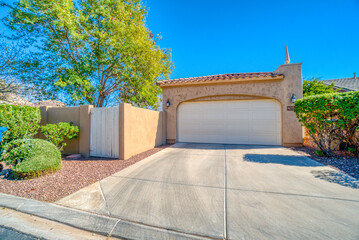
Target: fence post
column 124, row 128
column 85, row 128
column 164, row 127
column 43, row 121
column 43, row 112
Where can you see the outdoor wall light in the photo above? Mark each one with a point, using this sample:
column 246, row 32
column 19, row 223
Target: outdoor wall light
column 293, row 98
column 168, row 103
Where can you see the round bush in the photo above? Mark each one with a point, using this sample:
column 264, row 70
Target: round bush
column 31, row 157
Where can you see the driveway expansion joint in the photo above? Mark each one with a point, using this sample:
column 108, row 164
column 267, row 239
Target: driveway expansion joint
column 17, row 209
column 225, row 223
column 104, row 199
column 169, row 183
column 114, row 226
column 294, row 195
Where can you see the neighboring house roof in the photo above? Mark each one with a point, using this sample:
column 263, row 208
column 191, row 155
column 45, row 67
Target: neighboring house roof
column 347, row 84
column 51, row 103
column 222, row 78
column 11, row 98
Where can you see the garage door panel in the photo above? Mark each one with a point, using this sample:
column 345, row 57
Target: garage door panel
column 243, row 108
column 269, row 126
column 238, row 118
column 238, row 130
column 231, row 122
column 264, row 115
column 264, row 131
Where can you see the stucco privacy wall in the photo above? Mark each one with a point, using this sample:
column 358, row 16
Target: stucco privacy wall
column 80, row 116
column 277, row 89
column 140, row 130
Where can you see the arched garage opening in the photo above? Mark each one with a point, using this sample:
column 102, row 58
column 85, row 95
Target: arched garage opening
column 230, row 122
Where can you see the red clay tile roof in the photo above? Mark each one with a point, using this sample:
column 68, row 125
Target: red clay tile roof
column 220, row 77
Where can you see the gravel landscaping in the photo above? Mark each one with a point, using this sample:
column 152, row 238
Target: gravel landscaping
column 74, row 175
column 343, row 161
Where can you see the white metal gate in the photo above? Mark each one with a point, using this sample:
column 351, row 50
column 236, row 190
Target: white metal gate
column 105, row 132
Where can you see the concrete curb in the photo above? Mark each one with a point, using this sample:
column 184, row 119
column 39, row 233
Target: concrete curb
column 107, row 226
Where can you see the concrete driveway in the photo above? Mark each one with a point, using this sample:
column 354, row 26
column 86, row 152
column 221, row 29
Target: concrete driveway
column 229, row 191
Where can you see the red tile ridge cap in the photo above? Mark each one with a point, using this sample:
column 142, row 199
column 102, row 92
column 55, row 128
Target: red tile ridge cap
column 218, row 77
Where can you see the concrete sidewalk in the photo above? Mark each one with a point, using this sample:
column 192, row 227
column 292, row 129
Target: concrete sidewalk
column 90, row 222
column 18, row 225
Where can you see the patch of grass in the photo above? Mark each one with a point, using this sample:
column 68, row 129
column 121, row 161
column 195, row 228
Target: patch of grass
column 43, row 158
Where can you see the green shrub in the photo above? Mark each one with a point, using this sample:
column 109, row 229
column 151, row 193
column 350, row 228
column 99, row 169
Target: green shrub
column 352, row 150
column 16, row 151
column 319, row 153
column 328, row 117
column 58, row 133
column 22, row 122
column 31, row 158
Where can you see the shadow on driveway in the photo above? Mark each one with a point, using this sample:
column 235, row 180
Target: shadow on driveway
column 337, row 177
column 302, row 161
column 290, row 160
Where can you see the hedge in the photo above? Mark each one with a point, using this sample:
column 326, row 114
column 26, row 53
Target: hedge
column 58, row 133
column 22, row 122
column 31, row 157
column 329, row 117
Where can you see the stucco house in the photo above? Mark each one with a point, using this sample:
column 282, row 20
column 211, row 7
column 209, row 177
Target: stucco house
column 240, row 108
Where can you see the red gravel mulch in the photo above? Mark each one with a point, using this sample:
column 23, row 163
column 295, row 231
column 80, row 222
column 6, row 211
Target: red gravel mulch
column 74, row 175
column 342, row 161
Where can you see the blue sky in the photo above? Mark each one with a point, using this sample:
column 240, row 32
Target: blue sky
column 214, row 37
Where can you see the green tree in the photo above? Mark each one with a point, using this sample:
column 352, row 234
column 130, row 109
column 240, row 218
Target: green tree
column 95, row 52
column 314, row 87
column 8, row 55
column 7, row 87
column 12, row 79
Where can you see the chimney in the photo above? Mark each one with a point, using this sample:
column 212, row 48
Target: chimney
column 354, row 75
column 287, row 59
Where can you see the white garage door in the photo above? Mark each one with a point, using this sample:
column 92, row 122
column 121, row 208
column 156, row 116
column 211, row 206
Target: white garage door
column 231, row 122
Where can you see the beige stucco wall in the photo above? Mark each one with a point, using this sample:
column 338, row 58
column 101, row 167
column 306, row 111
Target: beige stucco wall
column 140, row 130
column 80, row 116
column 280, row 90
